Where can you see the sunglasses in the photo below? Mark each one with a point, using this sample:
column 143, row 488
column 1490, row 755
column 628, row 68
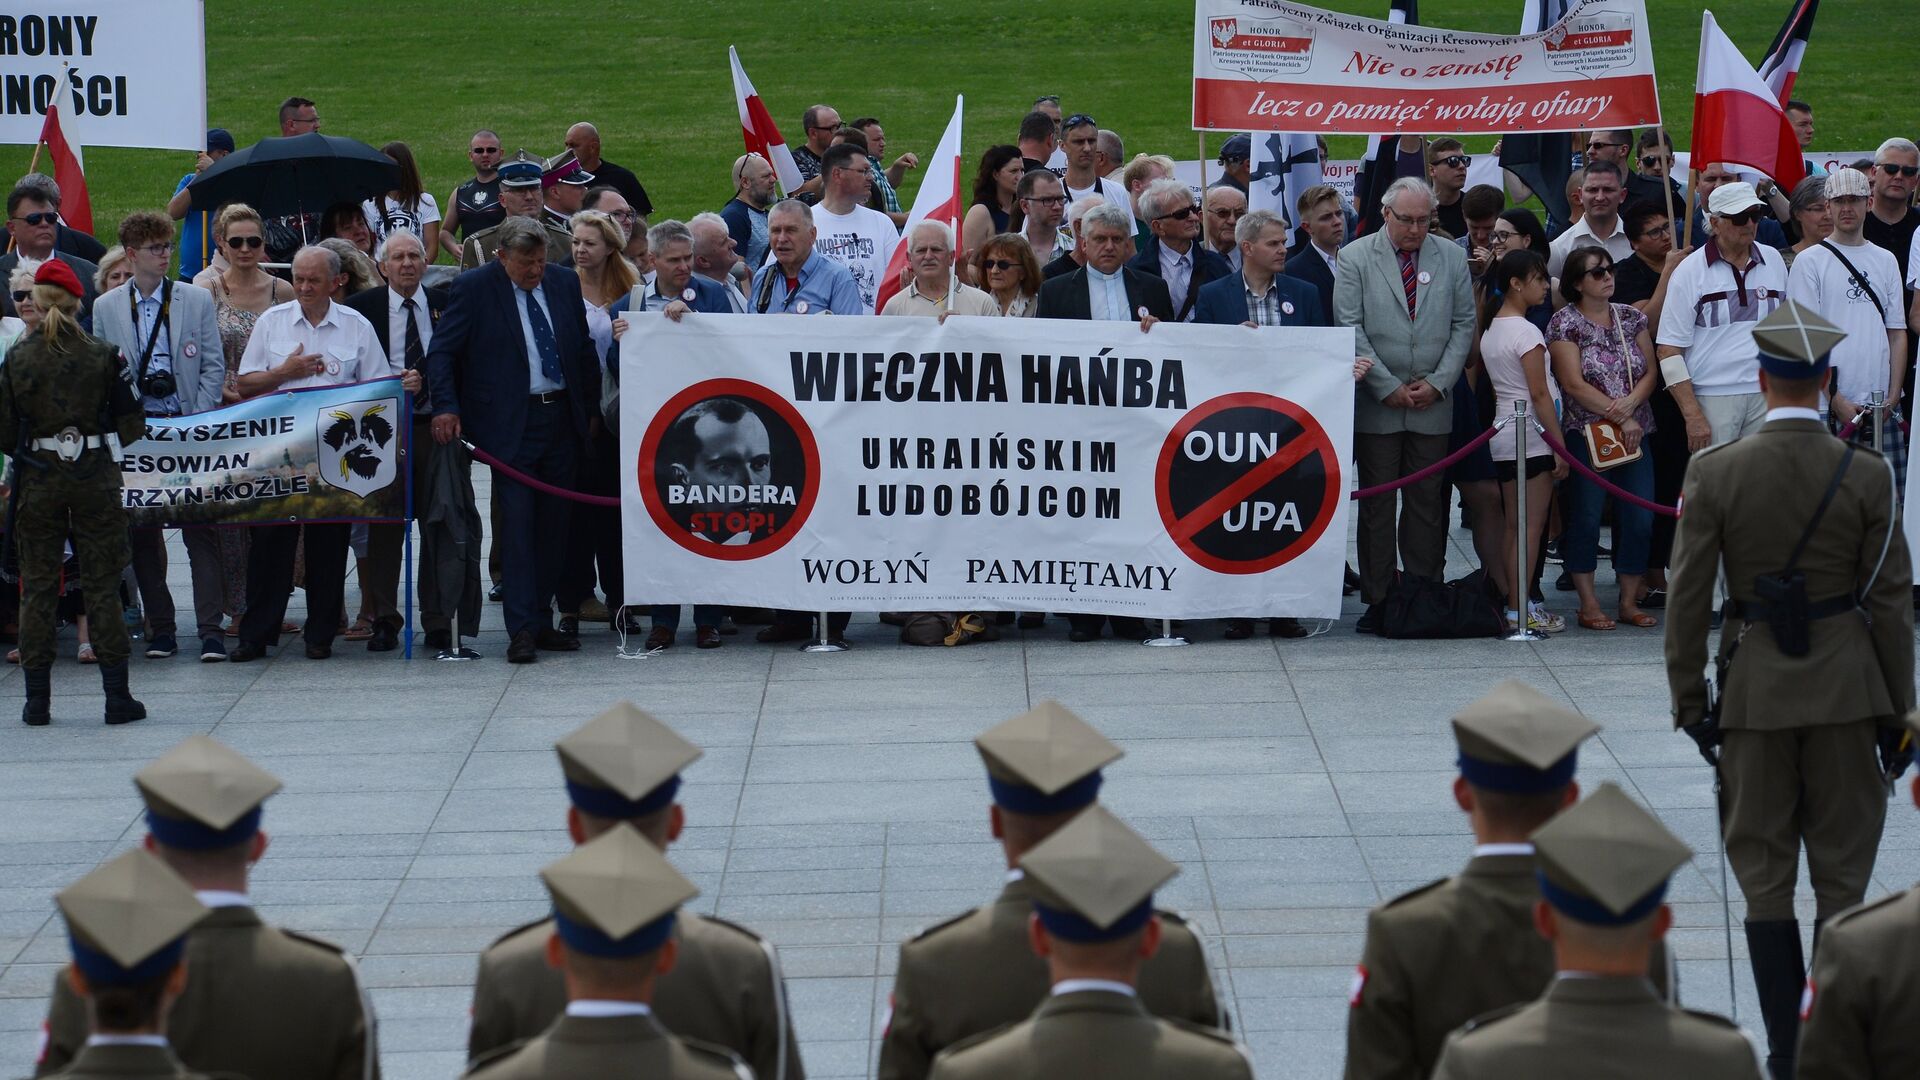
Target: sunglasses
column 1079, row 119
column 1899, row 170
column 1652, row 161
column 1745, row 217
column 484, row 150
column 45, row 217
column 1595, row 144
column 1600, row 270
column 20, row 295
column 1181, row 214
column 245, row 242
column 1454, row 161
column 999, row 264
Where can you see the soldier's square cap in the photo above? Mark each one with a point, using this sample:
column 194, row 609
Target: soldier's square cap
column 1518, row 740
column 1605, row 860
column 1045, row 761
column 1094, row 878
column 522, row 170
column 564, row 168
column 128, row 919
column 624, row 763
column 616, row 895
column 1795, row 342
column 201, row 795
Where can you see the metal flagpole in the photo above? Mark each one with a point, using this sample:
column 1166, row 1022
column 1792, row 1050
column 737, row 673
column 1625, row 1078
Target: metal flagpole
column 1167, row 638
column 825, row 642
column 1693, row 200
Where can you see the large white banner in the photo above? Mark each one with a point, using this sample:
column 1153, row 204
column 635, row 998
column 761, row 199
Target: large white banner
column 123, row 72
column 877, row 463
column 1269, row 65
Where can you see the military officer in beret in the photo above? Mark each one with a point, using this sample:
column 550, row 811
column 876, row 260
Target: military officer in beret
column 725, row 986
column 977, row 972
column 1862, row 1006
column 127, row 922
column 520, row 178
column 1443, row 954
column 263, row 1001
column 615, row 902
column 1817, row 653
column 1603, row 871
column 1093, row 924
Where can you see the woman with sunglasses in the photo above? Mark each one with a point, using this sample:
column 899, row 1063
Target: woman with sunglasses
column 1007, row 270
column 1601, row 353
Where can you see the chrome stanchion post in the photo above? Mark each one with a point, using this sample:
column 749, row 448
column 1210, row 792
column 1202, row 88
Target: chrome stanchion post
column 1523, row 568
column 1878, row 403
column 1167, row 638
column 825, row 642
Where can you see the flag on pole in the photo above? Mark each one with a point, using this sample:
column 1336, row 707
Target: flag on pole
column 1284, row 164
column 1377, row 168
column 939, row 199
column 1782, row 63
column 1542, row 162
column 1736, row 116
column 756, row 124
column 76, row 208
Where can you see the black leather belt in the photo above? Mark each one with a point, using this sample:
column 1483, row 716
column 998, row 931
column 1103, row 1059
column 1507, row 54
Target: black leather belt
column 1755, row 611
column 551, row 397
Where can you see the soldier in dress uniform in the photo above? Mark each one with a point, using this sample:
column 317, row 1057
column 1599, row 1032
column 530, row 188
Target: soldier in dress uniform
column 614, row 906
column 1442, row 954
column 977, row 972
column 263, row 1001
column 128, row 922
column 65, row 397
column 1815, row 658
column 519, row 197
column 1862, row 1005
column 563, row 187
column 1093, row 924
column 1604, row 866
column 725, row 987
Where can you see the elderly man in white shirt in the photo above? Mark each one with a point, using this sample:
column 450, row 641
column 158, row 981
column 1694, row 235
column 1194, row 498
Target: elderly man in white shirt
column 309, row 341
column 934, row 288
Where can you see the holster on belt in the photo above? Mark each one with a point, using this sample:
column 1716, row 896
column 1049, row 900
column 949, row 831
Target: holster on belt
column 1783, row 598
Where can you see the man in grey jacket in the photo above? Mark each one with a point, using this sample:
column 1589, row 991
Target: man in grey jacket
column 1408, row 297
column 166, row 330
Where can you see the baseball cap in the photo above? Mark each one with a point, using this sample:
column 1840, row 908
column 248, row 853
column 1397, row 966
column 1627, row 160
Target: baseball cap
column 219, row 139
column 1733, row 198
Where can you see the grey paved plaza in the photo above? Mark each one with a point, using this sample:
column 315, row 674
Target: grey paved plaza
column 840, row 805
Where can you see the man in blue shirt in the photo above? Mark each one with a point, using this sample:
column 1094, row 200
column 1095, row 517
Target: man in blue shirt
column 795, row 280
column 196, row 234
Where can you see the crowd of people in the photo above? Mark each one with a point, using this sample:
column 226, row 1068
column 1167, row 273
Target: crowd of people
column 1625, row 330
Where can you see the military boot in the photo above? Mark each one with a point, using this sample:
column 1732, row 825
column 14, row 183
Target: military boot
column 39, row 708
column 121, row 706
column 1780, row 977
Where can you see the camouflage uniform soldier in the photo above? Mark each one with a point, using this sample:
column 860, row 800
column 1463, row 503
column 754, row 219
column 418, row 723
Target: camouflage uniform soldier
column 64, row 400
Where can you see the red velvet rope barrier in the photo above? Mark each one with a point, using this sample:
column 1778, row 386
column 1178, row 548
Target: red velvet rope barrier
column 540, row 485
column 1415, row 477
column 1606, row 485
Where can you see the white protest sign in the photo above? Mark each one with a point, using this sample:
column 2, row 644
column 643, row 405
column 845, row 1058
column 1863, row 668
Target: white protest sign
column 875, row 463
column 123, row 72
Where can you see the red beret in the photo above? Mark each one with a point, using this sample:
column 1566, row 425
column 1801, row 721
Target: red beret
column 55, row 272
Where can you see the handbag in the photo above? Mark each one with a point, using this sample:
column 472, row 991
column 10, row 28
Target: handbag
column 1606, row 443
column 1420, row 607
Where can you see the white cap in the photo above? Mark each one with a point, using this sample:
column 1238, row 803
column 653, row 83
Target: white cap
column 1842, row 183
column 1733, row 198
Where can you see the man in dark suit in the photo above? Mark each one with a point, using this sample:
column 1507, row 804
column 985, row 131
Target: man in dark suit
column 403, row 316
column 34, row 221
column 513, row 367
column 1175, row 254
column 1314, row 260
column 1106, row 289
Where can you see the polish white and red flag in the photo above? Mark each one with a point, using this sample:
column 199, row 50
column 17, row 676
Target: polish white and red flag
column 1736, row 117
column 938, row 199
column 76, row 207
column 756, row 124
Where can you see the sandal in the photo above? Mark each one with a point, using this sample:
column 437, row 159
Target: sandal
column 85, row 655
column 1598, row 621
column 361, row 630
column 1640, row 619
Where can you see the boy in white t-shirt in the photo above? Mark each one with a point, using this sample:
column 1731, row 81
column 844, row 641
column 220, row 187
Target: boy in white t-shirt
column 1856, row 286
column 851, row 234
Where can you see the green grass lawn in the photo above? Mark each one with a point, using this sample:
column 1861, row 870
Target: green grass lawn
column 653, row 75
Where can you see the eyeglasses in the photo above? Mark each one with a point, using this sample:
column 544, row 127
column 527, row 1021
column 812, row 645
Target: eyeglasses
column 999, row 264
column 623, row 215
column 45, row 217
column 1655, row 230
column 1079, row 119
column 245, row 242
column 1653, row 161
column 1600, row 270
column 1181, row 214
column 20, row 295
column 1506, row 236
column 1047, row 200
column 1454, row 161
column 1745, row 217
column 1417, row 222
column 156, row 249
column 1228, row 213
column 1899, row 170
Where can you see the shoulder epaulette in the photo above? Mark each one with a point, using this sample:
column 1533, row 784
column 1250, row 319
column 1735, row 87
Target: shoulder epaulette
column 939, row 926
column 1716, row 1018
column 733, row 926
column 1421, row 891
column 309, row 940
column 517, row 931
column 1487, row 1019
column 1211, row 1032
column 488, row 1057
column 718, row 1053
column 1870, row 905
column 978, row 1038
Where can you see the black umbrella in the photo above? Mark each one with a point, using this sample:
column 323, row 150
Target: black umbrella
column 296, row 175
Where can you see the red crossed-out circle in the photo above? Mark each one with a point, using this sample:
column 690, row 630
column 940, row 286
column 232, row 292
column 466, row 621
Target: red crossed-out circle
column 1305, row 461
column 776, row 409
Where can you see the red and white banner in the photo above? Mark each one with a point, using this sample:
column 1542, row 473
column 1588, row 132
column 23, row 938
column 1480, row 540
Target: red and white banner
column 1736, row 117
column 937, row 200
column 1268, row 65
column 756, row 124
